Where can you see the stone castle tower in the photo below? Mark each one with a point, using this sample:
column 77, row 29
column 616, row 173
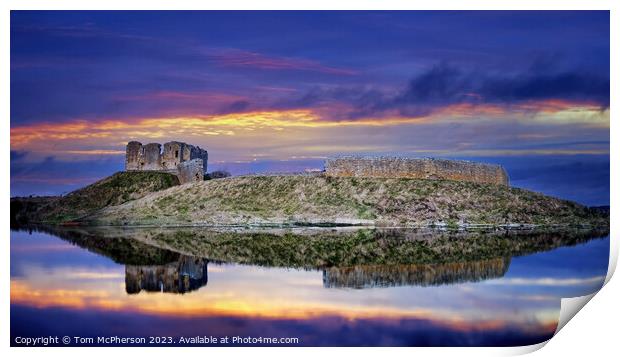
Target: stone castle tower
column 188, row 162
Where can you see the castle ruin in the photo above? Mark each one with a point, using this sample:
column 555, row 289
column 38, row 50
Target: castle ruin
column 416, row 168
column 185, row 275
column 188, row 162
column 371, row 276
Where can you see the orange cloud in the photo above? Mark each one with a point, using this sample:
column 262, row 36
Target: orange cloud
column 96, row 152
column 228, row 304
column 312, row 129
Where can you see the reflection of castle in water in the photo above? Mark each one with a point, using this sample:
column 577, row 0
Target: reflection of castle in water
column 185, row 275
column 360, row 277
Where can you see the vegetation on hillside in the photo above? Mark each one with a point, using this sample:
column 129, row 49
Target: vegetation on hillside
column 113, row 190
column 316, row 200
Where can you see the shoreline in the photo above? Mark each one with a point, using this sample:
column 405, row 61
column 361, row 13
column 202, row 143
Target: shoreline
column 331, row 226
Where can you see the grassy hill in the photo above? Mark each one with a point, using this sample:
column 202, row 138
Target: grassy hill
column 113, row 190
column 321, row 200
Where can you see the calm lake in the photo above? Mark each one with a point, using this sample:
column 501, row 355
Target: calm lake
column 317, row 287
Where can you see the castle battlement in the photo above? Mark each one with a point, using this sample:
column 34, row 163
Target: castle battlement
column 187, row 161
column 417, row 168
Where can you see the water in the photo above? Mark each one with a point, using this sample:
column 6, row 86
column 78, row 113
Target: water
column 321, row 287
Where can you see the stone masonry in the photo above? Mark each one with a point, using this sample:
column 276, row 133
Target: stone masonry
column 190, row 171
column 185, row 275
column 188, row 162
column 416, row 168
column 370, row 276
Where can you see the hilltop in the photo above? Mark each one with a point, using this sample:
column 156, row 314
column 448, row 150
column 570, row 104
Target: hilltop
column 113, row 190
column 324, row 200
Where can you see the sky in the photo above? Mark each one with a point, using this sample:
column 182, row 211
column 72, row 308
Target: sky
column 282, row 90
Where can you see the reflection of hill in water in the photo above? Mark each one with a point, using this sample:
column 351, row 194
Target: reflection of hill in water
column 185, row 275
column 159, row 259
column 318, row 249
column 359, row 277
column 147, row 267
column 120, row 249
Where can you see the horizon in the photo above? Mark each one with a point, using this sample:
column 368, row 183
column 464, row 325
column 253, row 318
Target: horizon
column 280, row 91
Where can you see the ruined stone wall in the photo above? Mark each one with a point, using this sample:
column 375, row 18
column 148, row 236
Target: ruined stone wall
column 133, row 156
column 188, row 274
column 151, row 157
column 396, row 167
column 177, row 158
column 140, row 157
column 172, row 155
column 195, row 152
column 359, row 277
column 191, row 171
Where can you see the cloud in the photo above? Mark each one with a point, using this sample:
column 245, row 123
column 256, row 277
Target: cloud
column 250, row 59
column 439, row 85
column 321, row 330
column 567, row 86
column 237, row 106
column 227, row 57
column 547, row 281
column 444, row 85
column 18, row 155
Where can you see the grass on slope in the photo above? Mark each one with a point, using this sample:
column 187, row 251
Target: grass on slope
column 113, row 190
column 316, row 199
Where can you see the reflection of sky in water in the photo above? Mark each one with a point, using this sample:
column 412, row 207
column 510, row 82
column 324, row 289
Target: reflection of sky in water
column 58, row 288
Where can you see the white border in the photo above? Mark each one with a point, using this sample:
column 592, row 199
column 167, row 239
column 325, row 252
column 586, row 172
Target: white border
column 593, row 330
